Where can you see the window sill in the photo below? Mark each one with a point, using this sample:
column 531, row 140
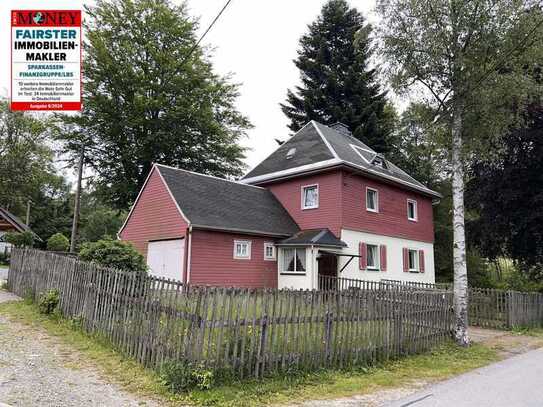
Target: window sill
column 412, row 220
column 242, row 258
column 372, row 210
column 270, row 259
column 293, row 273
column 310, row 207
column 373, row 270
column 414, row 271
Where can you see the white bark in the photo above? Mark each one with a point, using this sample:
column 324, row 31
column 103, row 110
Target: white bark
column 459, row 237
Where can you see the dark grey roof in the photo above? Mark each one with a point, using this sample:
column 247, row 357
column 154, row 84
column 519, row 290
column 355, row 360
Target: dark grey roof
column 216, row 203
column 14, row 220
column 308, row 150
column 313, row 237
column 342, row 149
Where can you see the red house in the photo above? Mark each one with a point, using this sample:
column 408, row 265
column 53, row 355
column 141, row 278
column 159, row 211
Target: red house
column 323, row 203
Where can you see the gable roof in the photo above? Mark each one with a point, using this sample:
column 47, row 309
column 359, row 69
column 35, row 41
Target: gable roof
column 215, row 203
column 332, row 148
column 313, row 237
column 13, row 220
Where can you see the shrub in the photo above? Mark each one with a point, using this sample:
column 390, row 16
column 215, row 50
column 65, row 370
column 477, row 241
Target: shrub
column 20, row 239
column 4, row 257
column 58, row 243
column 48, row 302
column 183, row 376
column 114, row 254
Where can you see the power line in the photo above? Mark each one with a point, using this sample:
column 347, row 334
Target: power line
column 205, row 32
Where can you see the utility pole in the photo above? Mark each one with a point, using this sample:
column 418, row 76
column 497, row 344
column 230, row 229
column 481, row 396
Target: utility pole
column 27, row 222
column 77, row 204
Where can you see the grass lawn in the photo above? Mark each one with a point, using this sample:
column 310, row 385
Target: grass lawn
column 441, row 363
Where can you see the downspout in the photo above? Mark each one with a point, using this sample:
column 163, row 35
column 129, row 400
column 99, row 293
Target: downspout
column 313, row 267
column 189, row 253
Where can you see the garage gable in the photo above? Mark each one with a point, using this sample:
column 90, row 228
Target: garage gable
column 155, row 215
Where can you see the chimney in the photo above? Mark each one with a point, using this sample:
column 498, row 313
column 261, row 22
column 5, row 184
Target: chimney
column 341, row 128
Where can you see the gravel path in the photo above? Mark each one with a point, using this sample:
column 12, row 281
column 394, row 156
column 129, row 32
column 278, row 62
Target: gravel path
column 33, row 372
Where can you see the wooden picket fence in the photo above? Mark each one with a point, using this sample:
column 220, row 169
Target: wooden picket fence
column 249, row 332
column 491, row 308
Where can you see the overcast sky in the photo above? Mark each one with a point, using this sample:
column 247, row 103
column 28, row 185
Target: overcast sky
column 255, row 41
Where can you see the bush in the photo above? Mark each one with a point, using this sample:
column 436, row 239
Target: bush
column 114, row 254
column 48, row 302
column 4, row 258
column 58, row 243
column 20, row 239
column 183, row 376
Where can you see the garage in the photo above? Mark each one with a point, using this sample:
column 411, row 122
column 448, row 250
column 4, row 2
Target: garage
column 165, row 258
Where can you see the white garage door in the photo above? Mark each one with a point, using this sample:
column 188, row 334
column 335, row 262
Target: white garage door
column 165, row 258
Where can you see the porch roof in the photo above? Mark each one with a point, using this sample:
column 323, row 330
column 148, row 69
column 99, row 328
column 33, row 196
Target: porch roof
column 313, row 237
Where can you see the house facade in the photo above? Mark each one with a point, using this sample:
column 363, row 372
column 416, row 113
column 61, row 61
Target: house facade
column 9, row 223
column 322, row 205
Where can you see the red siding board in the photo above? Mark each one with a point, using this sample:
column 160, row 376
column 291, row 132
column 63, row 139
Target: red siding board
column 327, row 215
column 155, row 217
column 213, row 261
column 391, row 220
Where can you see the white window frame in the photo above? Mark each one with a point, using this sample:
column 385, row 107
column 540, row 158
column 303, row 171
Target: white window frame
column 248, row 243
column 274, row 251
column 287, row 272
column 376, row 209
column 415, row 210
column 303, row 188
column 417, row 262
column 377, row 266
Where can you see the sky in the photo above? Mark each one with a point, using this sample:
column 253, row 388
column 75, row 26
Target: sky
column 254, row 40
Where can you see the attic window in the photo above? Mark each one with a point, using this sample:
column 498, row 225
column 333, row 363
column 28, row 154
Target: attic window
column 379, row 161
column 291, row 153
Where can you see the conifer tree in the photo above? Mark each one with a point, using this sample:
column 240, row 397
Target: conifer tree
column 337, row 84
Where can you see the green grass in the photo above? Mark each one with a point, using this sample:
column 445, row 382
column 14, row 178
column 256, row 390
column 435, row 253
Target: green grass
column 442, row 362
column 537, row 332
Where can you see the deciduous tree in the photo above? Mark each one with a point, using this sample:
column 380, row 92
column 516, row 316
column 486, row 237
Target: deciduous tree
column 150, row 95
column 472, row 60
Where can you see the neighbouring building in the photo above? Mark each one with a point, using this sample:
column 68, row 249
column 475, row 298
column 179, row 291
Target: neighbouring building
column 9, row 223
column 322, row 204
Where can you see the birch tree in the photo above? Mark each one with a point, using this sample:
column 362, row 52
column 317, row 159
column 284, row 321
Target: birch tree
column 472, row 60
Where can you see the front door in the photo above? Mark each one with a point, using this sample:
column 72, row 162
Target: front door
column 327, row 264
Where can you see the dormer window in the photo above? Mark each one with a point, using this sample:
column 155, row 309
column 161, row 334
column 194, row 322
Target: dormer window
column 291, row 153
column 379, row 161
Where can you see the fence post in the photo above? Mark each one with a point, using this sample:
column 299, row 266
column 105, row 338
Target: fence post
column 398, row 337
column 328, row 335
column 259, row 371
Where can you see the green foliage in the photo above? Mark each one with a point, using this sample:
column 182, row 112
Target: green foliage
column 511, row 224
column 144, row 102
column 115, row 254
column 20, row 239
column 100, row 223
column 337, row 83
column 4, row 258
column 48, row 302
column 58, row 243
column 183, row 376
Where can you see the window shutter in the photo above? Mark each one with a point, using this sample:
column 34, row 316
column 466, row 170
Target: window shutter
column 405, row 260
column 383, row 262
column 421, row 261
column 362, row 260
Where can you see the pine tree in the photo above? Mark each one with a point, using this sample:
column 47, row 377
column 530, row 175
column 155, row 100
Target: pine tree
column 337, row 84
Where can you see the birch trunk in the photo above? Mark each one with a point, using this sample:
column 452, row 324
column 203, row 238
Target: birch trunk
column 459, row 236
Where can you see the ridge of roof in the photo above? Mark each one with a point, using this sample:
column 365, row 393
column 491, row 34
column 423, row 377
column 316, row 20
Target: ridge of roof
column 14, row 220
column 206, row 175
